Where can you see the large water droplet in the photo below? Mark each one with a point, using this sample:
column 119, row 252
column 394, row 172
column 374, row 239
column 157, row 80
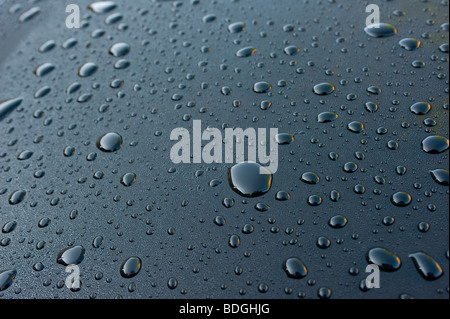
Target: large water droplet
column 17, row 197
column 261, row 87
column 323, row 88
column 119, row 49
column 435, row 144
column 325, row 117
column 7, row 106
column 420, row 108
column 409, row 44
column 87, row 69
column 236, row 27
column 130, row 267
column 380, row 30
column 110, row 142
column 310, row 178
column 7, row 278
column 384, row 259
column 250, row 179
column 71, row 255
column 440, row 176
column 427, row 266
column 102, row 6
column 401, row 199
column 294, row 268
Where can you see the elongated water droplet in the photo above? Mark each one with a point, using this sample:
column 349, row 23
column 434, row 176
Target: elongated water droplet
column 427, row 266
column 380, row 30
column 384, row 259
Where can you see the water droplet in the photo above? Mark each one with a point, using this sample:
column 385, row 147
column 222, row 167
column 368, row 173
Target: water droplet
column 401, row 199
column 24, row 155
column 102, row 6
column 350, row 167
column 236, row 27
column 418, row 64
column 261, row 87
column 17, row 197
column 119, row 49
column 310, row 178
column 128, row 179
column 245, row 52
column 97, row 242
column 323, row 242
column 291, row 50
column 371, row 107
column 409, row 44
column 282, row 196
column 323, row 89
column 384, row 259
column 71, row 256
column 294, row 268
column 130, row 267
column 441, row 176
column 7, row 106
column 435, row 144
column 7, row 278
column 337, row 221
column 428, row 267
column 9, row 227
column 87, row 69
column 172, row 283
column 234, row 241
column 284, row 138
column 380, row 30
column 110, row 142
column 355, row 127
column 250, row 179
column 326, row 117
column 44, row 69
column 420, row 108
column 314, row 200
